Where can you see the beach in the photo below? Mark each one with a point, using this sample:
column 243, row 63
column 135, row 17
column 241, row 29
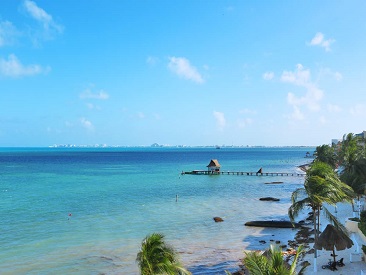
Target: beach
column 352, row 257
column 343, row 211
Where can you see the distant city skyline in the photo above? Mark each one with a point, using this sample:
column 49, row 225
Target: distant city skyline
column 194, row 73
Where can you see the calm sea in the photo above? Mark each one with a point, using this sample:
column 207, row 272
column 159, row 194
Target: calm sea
column 86, row 211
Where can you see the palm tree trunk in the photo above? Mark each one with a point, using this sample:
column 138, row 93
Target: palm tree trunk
column 315, row 234
column 318, row 214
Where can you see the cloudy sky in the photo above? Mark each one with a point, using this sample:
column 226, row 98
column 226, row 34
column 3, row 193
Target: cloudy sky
column 181, row 72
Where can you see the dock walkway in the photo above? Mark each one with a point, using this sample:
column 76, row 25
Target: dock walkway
column 204, row 172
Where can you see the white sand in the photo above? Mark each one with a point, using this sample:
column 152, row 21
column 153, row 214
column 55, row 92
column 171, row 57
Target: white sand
column 355, row 267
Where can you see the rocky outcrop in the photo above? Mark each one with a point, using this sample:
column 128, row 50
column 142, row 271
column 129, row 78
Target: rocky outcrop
column 276, row 224
column 269, row 199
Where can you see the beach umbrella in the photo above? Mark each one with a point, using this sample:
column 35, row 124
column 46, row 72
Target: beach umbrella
column 333, row 239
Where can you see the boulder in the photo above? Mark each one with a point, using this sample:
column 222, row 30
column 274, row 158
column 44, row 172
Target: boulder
column 269, row 199
column 276, row 224
column 218, row 219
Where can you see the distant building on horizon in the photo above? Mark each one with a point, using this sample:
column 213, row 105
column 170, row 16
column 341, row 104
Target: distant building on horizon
column 362, row 135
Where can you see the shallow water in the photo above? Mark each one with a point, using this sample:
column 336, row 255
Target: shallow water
column 86, row 211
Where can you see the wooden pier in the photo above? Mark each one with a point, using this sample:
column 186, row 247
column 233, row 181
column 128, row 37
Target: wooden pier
column 205, row 172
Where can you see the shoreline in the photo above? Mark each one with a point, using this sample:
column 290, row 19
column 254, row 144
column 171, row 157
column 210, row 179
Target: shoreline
column 343, row 211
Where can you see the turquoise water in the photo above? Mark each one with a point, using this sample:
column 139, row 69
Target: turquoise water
column 86, row 211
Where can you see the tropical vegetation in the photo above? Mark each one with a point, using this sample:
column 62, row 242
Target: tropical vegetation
column 273, row 263
column 156, row 257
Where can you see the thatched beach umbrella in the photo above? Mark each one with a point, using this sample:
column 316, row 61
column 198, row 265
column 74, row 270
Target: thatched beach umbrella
column 333, row 238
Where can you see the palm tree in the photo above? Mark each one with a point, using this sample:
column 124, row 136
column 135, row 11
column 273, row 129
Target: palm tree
column 352, row 157
column 350, row 150
column 326, row 153
column 158, row 258
column 273, row 264
column 321, row 185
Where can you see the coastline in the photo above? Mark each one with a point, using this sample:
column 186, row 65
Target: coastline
column 305, row 236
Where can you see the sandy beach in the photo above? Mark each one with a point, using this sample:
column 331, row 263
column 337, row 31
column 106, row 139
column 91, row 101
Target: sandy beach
column 352, row 257
column 354, row 264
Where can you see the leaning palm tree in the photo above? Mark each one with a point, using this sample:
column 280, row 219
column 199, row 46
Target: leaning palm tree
column 273, row 264
column 322, row 185
column 156, row 257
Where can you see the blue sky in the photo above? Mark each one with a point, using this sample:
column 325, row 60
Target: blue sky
column 181, row 72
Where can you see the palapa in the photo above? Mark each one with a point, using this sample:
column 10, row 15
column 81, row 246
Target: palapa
column 332, row 238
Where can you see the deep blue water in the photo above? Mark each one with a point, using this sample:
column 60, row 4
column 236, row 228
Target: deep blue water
column 86, row 211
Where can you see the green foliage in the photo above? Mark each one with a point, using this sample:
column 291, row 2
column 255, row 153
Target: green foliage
column 364, row 248
column 273, row 264
column 326, row 154
column 354, row 219
column 156, row 257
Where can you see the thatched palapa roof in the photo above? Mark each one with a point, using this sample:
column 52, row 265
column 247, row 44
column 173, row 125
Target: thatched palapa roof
column 214, row 163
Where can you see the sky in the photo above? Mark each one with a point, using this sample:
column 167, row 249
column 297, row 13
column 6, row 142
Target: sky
column 134, row 73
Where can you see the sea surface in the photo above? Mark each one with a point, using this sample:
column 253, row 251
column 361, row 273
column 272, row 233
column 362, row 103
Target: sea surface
column 86, row 211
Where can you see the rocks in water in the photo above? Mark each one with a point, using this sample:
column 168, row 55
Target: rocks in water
column 262, row 241
column 218, row 219
column 276, row 224
column 274, row 182
column 269, row 199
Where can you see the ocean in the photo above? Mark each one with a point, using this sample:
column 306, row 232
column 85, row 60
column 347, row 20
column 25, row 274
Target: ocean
column 86, row 210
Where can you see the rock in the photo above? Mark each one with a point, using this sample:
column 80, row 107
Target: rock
column 262, row 241
column 218, row 219
column 276, row 224
column 277, row 242
column 269, row 199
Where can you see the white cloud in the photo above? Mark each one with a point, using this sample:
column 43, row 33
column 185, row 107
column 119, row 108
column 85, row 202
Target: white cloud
column 182, row 67
column 358, row 110
column 244, row 122
column 88, row 94
column 268, row 75
column 328, row 72
column 301, row 77
column 40, row 15
column 296, row 114
column 220, row 119
column 7, row 33
column 86, row 124
column 318, row 40
column 333, row 108
column 14, row 68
